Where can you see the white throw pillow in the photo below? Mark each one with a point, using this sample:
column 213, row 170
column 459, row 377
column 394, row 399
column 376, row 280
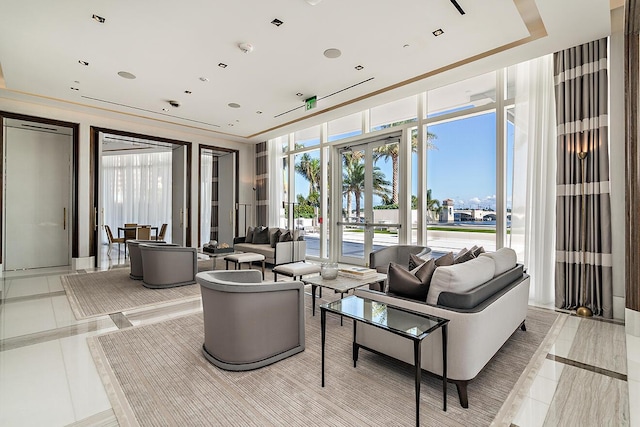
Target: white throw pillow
column 460, row 277
column 504, row 258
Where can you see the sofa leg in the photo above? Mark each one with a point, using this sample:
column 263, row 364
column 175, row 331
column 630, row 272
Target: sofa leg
column 523, row 327
column 462, row 392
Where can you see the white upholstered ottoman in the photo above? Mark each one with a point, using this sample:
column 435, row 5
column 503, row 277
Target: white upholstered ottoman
column 295, row 269
column 246, row 257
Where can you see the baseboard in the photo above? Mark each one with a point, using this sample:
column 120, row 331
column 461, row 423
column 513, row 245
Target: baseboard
column 83, row 263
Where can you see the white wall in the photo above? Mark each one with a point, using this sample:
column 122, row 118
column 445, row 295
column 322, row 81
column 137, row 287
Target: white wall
column 34, row 107
column 617, row 160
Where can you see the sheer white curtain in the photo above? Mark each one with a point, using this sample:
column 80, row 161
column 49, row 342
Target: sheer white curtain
column 275, row 183
column 533, row 213
column 136, row 188
column 206, row 185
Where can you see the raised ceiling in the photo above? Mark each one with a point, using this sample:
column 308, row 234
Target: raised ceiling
column 58, row 53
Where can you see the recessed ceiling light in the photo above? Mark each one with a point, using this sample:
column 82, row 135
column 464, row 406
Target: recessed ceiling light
column 313, row 2
column 81, row 62
column 332, row 53
column 233, row 105
column 76, row 81
column 99, row 19
column 277, row 22
column 438, row 32
column 359, row 67
column 258, row 112
column 405, row 45
column 74, row 88
column 126, row 75
column 231, row 124
column 188, row 92
column 221, row 65
column 204, row 79
column 165, row 109
column 299, row 94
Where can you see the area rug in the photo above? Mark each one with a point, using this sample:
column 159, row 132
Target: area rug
column 156, row 375
column 112, row 291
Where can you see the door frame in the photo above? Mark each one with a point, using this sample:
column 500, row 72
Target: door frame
column 94, row 179
column 367, row 144
column 236, row 195
column 75, row 150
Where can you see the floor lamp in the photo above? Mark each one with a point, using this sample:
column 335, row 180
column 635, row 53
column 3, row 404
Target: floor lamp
column 583, row 310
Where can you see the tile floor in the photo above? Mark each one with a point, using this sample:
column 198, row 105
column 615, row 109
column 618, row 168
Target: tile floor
column 48, row 378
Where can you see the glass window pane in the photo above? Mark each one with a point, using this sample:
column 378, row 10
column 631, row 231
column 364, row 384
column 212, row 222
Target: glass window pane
column 395, row 113
column 307, row 137
column 283, row 141
column 463, row 95
column 345, row 127
column 285, row 190
column 461, row 184
column 414, row 187
column 307, row 191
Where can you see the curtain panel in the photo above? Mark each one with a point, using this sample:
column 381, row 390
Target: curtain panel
column 583, row 208
column 262, row 183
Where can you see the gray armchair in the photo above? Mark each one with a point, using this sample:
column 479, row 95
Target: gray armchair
column 398, row 254
column 248, row 323
column 135, row 257
column 168, row 266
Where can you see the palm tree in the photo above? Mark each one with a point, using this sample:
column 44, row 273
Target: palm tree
column 353, row 182
column 433, row 205
column 309, row 169
column 392, row 151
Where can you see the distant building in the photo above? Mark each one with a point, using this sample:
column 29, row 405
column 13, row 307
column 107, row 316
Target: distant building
column 446, row 213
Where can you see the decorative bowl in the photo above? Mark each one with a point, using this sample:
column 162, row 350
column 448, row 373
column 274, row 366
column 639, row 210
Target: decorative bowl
column 329, row 270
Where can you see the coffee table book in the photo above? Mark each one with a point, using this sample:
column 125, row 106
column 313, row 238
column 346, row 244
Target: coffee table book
column 357, row 272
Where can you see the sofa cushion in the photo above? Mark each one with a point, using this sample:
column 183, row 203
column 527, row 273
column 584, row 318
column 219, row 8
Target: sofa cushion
column 460, row 277
column 286, row 236
column 444, row 260
column 477, row 251
column 410, row 284
column 260, row 236
column 415, row 261
column 504, row 259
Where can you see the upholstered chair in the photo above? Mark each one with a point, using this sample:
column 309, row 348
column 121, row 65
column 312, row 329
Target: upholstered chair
column 168, row 266
column 249, row 323
column 135, row 256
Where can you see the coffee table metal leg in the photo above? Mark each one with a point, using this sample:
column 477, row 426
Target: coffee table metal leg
column 418, row 367
column 356, row 347
column 313, row 300
column 444, row 367
column 323, row 324
column 341, row 296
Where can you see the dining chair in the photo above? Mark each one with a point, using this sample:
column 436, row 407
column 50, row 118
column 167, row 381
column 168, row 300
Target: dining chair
column 132, row 233
column 144, row 232
column 163, row 231
column 112, row 239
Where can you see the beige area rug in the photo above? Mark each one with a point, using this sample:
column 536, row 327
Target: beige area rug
column 156, row 375
column 112, row 291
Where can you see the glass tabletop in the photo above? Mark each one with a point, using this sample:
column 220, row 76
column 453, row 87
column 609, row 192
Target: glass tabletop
column 396, row 319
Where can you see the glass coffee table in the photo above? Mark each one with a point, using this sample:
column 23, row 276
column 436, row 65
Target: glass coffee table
column 340, row 284
column 409, row 324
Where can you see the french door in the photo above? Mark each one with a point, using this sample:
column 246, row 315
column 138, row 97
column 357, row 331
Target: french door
column 367, row 180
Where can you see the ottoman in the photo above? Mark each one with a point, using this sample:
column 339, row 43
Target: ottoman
column 246, row 257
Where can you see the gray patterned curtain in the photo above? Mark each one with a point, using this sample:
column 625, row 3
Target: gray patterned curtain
column 262, row 183
column 583, row 229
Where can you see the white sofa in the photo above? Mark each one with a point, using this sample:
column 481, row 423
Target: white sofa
column 482, row 317
column 282, row 253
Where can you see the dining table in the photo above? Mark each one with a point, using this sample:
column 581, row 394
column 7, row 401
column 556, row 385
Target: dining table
column 122, row 231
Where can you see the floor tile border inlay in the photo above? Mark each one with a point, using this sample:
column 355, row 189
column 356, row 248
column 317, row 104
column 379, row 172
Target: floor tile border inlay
column 587, row 367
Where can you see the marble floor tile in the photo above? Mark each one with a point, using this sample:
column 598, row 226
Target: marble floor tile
column 601, row 344
column 543, row 389
column 551, row 370
column 26, row 317
column 26, row 286
column 532, row 413
column 33, row 387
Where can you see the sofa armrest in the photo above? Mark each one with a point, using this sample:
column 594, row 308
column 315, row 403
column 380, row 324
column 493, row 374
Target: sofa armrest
column 238, row 239
column 293, row 251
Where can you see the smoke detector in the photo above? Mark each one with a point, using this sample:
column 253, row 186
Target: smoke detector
column 246, row 47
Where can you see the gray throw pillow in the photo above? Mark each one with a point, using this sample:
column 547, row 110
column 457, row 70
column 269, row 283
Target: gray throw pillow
column 261, row 235
column 286, row 236
column 478, row 251
column 444, row 260
column 415, row 261
column 463, row 256
column 275, row 238
column 411, row 284
column 249, row 237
